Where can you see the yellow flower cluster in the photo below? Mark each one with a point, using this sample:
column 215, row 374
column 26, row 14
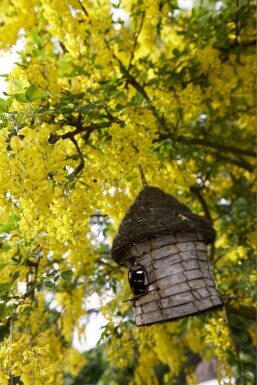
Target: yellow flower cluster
column 218, row 335
column 31, row 363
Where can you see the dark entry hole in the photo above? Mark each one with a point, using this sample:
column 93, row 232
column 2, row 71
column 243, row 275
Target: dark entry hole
column 138, row 280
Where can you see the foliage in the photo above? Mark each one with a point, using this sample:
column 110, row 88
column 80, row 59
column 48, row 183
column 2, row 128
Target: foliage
column 95, row 105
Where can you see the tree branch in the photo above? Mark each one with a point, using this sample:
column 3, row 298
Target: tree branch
column 87, row 129
column 212, row 144
column 196, row 191
column 82, row 162
column 136, row 39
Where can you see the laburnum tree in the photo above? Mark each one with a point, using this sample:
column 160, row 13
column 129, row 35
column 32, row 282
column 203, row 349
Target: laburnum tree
column 108, row 95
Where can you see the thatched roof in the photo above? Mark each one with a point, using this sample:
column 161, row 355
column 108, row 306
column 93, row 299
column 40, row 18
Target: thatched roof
column 155, row 213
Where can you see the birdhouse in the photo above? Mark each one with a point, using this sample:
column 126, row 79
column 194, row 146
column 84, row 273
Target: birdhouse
column 164, row 247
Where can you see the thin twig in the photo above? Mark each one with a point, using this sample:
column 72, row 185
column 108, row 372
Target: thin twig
column 145, row 184
column 136, row 40
column 82, row 162
column 79, row 130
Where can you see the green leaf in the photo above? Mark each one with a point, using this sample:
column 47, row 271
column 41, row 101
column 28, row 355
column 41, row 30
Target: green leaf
column 49, row 284
column 15, row 276
column 5, row 286
column 2, row 309
column 30, row 92
column 56, row 278
column 5, row 247
column 3, row 264
column 18, row 84
column 41, row 95
column 3, row 121
column 40, row 287
column 67, row 275
column 21, row 98
column 3, row 105
column 37, row 39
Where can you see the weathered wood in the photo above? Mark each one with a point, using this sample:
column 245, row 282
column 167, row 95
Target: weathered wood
column 162, row 241
column 212, row 291
column 145, row 260
column 138, row 310
column 178, row 271
column 177, row 299
column 197, row 284
column 166, row 261
column 209, row 282
column 138, row 320
column 201, row 246
column 186, row 246
column 204, row 292
column 152, row 286
column 216, row 300
column 175, row 289
column 164, row 251
column 188, row 254
column 171, row 280
column 191, row 264
column 185, row 237
column 151, row 306
column 193, row 274
column 147, row 298
column 202, row 255
column 179, row 311
column 151, row 276
column 204, row 304
column 155, row 316
column 174, row 269
column 143, row 248
column 133, row 251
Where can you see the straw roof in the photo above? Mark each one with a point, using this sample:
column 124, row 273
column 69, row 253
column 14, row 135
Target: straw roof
column 155, row 213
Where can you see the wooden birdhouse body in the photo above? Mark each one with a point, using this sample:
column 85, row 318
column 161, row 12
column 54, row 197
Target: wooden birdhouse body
column 164, row 246
column 180, row 280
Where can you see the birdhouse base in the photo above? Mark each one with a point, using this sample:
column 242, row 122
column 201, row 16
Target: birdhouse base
column 180, row 280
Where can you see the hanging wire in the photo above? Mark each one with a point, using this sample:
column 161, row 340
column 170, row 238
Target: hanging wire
column 144, row 182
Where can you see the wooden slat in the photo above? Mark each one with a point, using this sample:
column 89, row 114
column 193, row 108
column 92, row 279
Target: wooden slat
column 138, row 320
column 202, row 255
column 179, row 311
column 216, row 300
column 147, row 298
column 188, row 254
column 174, row 269
column 204, row 304
column 162, row 241
column 166, row 261
column 177, row 299
column 191, row 264
column 175, row 289
column 151, row 306
column 201, row 246
column 209, row 282
column 204, row 292
column 185, row 246
column 143, row 248
column 145, row 259
column 138, row 310
column 155, row 316
column 171, row 280
column 193, row 274
column 164, row 251
column 197, row 283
